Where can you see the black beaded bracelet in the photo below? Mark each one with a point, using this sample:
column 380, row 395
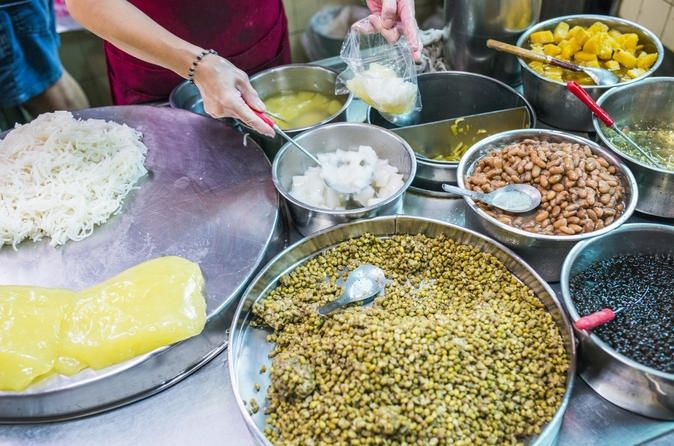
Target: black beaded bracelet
column 195, row 62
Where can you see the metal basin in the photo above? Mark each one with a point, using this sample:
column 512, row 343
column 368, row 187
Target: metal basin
column 553, row 103
column 328, row 138
column 650, row 101
column 248, row 347
column 547, row 252
column 620, row 380
column 452, row 94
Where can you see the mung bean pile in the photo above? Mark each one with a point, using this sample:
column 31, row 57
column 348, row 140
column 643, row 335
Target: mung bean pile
column 644, row 331
column 457, row 351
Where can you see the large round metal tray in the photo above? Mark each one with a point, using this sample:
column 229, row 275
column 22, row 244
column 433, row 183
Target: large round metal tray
column 208, row 198
column 248, row 347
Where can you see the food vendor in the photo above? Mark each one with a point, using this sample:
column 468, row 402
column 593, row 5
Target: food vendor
column 151, row 45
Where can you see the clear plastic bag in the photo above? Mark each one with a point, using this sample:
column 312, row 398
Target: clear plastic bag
column 380, row 73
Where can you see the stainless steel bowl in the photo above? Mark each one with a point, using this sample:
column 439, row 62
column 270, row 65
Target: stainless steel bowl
column 620, row 380
column 288, row 78
column 248, row 347
column 553, row 103
column 328, row 138
column 650, row 101
column 452, row 94
column 545, row 252
column 186, row 96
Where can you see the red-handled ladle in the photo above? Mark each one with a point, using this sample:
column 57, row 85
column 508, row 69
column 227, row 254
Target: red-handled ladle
column 603, row 316
column 603, row 115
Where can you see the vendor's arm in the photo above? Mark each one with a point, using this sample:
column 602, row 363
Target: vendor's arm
column 224, row 88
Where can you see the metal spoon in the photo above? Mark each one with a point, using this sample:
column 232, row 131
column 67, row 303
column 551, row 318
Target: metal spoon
column 603, row 115
column 362, row 285
column 605, row 315
column 331, row 183
column 600, row 76
column 516, row 198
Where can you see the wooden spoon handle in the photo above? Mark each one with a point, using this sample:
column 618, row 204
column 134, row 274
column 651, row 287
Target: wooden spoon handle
column 528, row 54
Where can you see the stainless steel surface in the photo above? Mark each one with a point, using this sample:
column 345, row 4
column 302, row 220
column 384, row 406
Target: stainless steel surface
column 194, row 203
column 289, row 78
column 472, row 22
column 650, row 101
column 454, row 94
column 186, row 96
column 362, row 285
column 328, row 138
column 553, row 103
column 624, row 382
column 516, row 198
column 203, row 410
column 248, row 346
column 544, row 252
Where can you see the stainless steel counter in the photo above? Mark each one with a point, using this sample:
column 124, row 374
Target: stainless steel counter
column 201, row 409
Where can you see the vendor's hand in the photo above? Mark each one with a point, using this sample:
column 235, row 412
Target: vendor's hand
column 226, row 92
column 391, row 17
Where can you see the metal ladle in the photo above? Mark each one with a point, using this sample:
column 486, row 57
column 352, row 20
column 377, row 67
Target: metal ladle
column 516, row 198
column 338, row 187
column 362, row 285
column 600, row 76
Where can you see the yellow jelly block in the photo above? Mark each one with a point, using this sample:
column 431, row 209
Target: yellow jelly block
column 151, row 305
column 597, row 27
column 582, row 56
column 561, row 31
column 538, row 67
column 551, row 50
column 628, row 41
column 592, row 45
column 592, row 63
column 645, row 61
column 30, row 323
column 625, row 59
column 614, row 33
column 635, row 73
column 542, row 37
column 612, row 65
column 567, row 49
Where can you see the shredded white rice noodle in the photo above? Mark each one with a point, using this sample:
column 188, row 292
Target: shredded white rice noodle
column 60, row 177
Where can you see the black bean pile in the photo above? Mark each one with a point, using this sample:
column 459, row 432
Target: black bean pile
column 644, row 331
column 457, row 351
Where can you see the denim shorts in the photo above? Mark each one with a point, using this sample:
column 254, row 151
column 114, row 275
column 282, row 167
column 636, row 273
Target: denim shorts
column 29, row 60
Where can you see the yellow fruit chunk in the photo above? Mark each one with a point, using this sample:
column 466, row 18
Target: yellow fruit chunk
column 561, row 31
column 628, row 41
column 566, row 49
column 47, row 331
column 614, row 33
column 30, row 323
column 582, row 56
column 542, row 37
column 579, row 33
column 148, row 306
column 551, row 50
column 592, row 45
column 592, row 63
column 645, row 61
column 625, row 59
column 635, row 73
column 612, row 65
column 597, row 27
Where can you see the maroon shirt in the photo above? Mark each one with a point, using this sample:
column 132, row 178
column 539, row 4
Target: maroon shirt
column 252, row 34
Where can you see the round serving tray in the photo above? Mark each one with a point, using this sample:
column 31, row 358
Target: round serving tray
column 249, row 348
column 207, row 197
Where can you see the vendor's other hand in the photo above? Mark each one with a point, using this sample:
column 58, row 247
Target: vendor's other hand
column 393, row 17
column 226, row 92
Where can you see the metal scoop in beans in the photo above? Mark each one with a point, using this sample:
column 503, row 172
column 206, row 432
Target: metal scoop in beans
column 516, row 198
column 362, row 285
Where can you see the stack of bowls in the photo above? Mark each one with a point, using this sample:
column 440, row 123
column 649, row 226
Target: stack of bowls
column 554, row 104
column 328, row 138
column 545, row 252
column 649, row 102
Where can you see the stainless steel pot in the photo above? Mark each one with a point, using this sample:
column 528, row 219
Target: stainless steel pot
column 650, row 101
column 472, row 22
column 620, row 380
column 328, row 138
column 553, row 103
column 546, row 252
column 248, row 347
column 288, row 78
column 452, row 94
